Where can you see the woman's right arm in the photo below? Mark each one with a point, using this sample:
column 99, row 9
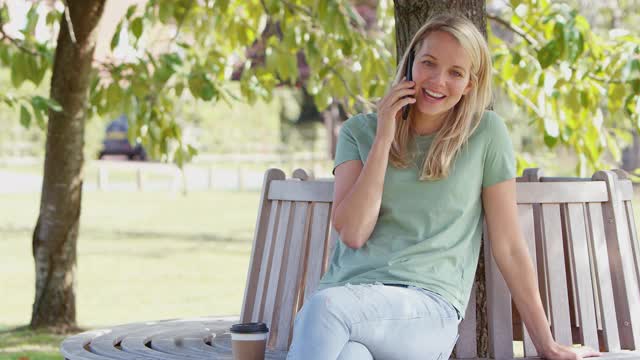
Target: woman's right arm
column 358, row 188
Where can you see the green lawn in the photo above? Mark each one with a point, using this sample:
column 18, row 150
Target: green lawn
column 141, row 256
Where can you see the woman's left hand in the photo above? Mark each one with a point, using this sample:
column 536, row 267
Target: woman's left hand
column 560, row 352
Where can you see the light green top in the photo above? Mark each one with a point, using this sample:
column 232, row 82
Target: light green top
column 428, row 233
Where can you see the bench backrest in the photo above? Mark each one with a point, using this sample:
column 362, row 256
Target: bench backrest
column 581, row 235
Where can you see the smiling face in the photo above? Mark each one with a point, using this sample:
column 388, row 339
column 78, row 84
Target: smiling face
column 441, row 71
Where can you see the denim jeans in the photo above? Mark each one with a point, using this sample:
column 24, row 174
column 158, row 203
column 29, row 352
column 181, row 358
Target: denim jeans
column 374, row 321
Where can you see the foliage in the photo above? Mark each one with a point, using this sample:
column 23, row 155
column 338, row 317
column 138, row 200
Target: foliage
column 209, row 41
column 579, row 89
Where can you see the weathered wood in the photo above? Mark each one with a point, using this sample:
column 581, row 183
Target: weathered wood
column 301, row 190
column 558, row 294
column 498, row 308
column 603, row 287
column 264, row 264
column 317, row 247
column 467, row 346
column 289, row 286
column 579, row 254
column 275, row 273
column 259, row 240
column 526, row 219
column 625, row 284
column 557, row 192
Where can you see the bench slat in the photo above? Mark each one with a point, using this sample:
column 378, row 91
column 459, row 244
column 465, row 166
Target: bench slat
column 633, row 236
column 316, row 191
column 561, row 192
column 526, row 219
column 258, row 248
column 265, row 263
column 625, row 284
column 467, row 345
column 317, row 243
column 276, row 273
column 579, row 254
column 288, row 292
column 559, row 301
column 498, row 308
column 603, row 289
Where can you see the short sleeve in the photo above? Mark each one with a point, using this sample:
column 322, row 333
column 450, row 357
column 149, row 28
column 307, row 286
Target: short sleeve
column 347, row 147
column 499, row 161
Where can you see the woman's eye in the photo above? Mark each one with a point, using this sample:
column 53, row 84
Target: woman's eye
column 456, row 73
column 428, row 62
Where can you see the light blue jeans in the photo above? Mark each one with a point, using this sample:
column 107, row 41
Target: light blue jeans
column 374, row 322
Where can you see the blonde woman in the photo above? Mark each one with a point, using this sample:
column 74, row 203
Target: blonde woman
column 410, row 197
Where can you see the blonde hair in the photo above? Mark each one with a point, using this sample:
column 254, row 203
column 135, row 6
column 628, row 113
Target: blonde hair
column 461, row 120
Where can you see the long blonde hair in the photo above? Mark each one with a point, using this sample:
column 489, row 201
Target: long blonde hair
column 460, row 121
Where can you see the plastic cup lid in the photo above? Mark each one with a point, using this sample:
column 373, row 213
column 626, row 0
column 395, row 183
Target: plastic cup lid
column 249, row 328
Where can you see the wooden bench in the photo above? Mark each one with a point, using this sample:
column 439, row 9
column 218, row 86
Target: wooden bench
column 580, row 232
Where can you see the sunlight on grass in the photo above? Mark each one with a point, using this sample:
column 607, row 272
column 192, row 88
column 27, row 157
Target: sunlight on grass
column 141, row 256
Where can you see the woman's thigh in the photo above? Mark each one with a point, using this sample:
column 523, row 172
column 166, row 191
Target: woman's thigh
column 392, row 322
column 403, row 323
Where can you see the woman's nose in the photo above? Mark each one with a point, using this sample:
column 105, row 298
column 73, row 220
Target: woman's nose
column 437, row 77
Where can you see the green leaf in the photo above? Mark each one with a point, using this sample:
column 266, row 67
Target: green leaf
column 38, row 112
column 165, row 13
column 52, row 17
column 131, row 10
column 25, row 116
column 136, row 27
column 4, row 13
column 5, row 56
column 550, row 141
column 549, row 54
column 116, row 36
column 200, row 86
column 179, row 88
column 18, row 70
column 32, row 20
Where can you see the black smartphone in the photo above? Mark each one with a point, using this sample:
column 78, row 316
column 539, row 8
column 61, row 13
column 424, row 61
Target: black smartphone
column 408, row 75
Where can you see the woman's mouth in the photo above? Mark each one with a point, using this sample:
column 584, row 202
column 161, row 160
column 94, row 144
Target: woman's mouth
column 433, row 95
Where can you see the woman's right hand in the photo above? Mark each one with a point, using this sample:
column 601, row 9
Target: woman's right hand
column 390, row 109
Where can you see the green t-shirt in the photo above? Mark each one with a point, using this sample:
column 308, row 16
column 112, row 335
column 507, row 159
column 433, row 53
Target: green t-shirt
column 428, row 233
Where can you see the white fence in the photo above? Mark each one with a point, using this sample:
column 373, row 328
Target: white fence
column 206, row 172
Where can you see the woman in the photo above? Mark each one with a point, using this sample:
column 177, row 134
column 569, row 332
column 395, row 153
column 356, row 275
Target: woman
column 409, row 201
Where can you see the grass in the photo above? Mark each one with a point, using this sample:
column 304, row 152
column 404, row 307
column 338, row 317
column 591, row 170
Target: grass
column 189, row 253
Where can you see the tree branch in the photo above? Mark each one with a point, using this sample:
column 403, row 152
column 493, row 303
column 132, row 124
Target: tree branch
column 67, row 16
column 17, row 43
column 514, row 28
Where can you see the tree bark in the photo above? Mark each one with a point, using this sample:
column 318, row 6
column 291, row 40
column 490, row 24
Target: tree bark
column 410, row 15
column 56, row 232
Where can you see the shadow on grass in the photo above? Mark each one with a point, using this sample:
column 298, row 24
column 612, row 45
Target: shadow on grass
column 156, row 235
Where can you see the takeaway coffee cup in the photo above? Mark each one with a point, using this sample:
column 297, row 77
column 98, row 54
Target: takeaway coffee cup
column 248, row 341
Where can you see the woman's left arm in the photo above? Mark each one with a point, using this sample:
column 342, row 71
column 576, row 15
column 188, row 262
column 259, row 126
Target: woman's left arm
column 512, row 257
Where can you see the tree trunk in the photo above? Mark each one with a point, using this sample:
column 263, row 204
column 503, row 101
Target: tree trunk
column 56, row 232
column 410, row 15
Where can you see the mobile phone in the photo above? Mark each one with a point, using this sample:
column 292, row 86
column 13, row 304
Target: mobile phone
column 408, row 75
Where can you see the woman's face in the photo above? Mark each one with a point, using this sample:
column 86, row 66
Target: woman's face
column 441, row 70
